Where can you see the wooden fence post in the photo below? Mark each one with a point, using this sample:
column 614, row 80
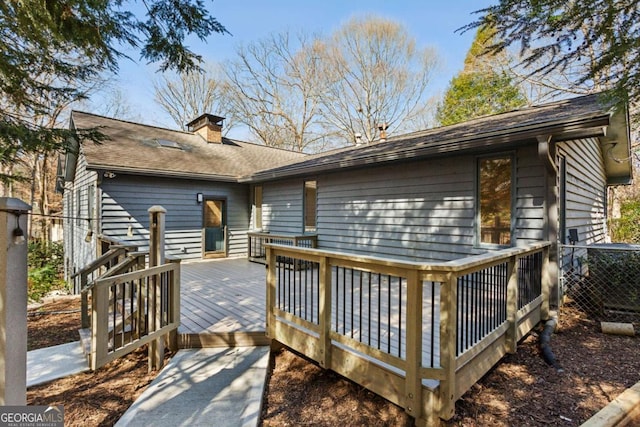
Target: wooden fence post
column 448, row 338
column 512, row 305
column 156, row 257
column 413, row 377
column 325, row 313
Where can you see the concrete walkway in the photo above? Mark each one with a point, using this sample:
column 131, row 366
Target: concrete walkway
column 197, row 387
column 204, row 387
column 50, row 363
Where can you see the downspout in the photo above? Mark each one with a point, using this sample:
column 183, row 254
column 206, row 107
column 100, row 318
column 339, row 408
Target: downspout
column 546, row 157
column 546, row 154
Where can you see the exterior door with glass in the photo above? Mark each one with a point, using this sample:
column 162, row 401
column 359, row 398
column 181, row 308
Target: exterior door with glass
column 215, row 225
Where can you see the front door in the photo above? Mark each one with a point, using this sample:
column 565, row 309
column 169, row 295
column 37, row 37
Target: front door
column 215, row 223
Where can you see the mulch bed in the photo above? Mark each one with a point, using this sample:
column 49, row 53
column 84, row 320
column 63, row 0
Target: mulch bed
column 55, row 322
column 97, row 398
column 521, row 391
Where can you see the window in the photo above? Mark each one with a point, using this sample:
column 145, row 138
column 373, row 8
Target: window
column 310, row 190
column 77, row 210
column 495, row 200
column 90, row 205
column 91, row 196
column 257, row 206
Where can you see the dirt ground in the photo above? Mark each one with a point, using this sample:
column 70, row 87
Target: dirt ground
column 522, row 390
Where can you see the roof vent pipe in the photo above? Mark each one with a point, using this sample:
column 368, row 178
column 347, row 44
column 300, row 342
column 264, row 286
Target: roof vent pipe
column 383, row 132
column 358, row 137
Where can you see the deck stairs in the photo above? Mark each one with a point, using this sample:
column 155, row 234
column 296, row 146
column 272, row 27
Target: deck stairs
column 129, row 261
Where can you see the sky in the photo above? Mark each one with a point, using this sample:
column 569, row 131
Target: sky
column 433, row 23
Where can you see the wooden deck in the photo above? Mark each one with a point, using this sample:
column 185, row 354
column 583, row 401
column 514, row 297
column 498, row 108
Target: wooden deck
column 223, row 303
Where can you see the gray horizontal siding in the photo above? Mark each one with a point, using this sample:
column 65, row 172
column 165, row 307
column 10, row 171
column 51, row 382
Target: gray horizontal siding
column 282, row 206
column 130, row 197
column 585, row 196
column 530, row 196
column 421, row 210
column 585, row 190
column 78, row 252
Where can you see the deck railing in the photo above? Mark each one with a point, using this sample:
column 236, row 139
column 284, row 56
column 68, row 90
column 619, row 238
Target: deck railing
column 113, row 257
column 418, row 334
column 133, row 309
column 257, row 241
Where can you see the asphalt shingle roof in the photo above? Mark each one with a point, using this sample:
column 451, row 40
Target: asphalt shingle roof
column 134, row 147
column 561, row 116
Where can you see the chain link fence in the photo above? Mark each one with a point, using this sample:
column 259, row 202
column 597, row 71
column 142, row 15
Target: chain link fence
column 603, row 281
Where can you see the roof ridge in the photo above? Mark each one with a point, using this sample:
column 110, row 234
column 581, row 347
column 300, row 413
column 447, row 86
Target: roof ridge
column 132, row 122
column 264, row 146
column 183, row 132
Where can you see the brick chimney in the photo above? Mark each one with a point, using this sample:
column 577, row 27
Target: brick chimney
column 207, row 126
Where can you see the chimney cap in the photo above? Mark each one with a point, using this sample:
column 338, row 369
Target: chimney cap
column 204, row 120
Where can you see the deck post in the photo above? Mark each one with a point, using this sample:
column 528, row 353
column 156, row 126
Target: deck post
column 325, row 313
column 84, row 302
column 271, row 293
column 175, row 304
column 448, row 339
column 512, row 305
column 413, row 378
column 99, row 321
column 156, row 257
column 546, row 284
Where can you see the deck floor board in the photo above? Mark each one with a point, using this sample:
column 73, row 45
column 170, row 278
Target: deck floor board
column 222, row 296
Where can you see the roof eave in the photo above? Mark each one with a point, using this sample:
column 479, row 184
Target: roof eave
column 162, row 173
column 616, row 148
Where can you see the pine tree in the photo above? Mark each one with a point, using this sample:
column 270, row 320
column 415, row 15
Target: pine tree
column 481, row 88
column 552, row 36
column 51, row 50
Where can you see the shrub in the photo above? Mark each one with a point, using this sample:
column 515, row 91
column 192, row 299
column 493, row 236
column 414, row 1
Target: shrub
column 626, row 229
column 46, row 266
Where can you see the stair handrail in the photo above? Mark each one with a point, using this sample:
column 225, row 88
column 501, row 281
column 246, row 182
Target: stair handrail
column 114, row 252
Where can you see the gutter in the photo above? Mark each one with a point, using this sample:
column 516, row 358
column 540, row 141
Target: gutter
column 158, row 173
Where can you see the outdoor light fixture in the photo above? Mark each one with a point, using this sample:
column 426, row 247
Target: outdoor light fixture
column 199, row 197
column 130, row 229
column 87, row 238
column 18, row 234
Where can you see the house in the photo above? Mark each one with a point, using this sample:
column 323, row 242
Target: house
column 436, row 195
column 460, row 229
column 442, row 194
column 109, row 186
